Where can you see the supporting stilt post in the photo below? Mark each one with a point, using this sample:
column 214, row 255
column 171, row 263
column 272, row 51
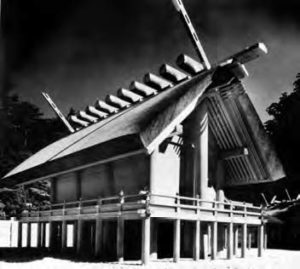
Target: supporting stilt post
column 230, row 241
column 146, row 240
column 208, row 238
column 197, row 232
column 43, row 235
column 39, row 234
column 260, row 240
column 98, row 237
column 176, row 247
column 20, row 234
column 28, row 240
column 50, row 235
column 244, row 239
column 265, row 238
column 153, row 239
column 63, row 235
column 120, row 240
column 214, row 238
column 79, row 236
column 249, row 240
column 235, row 239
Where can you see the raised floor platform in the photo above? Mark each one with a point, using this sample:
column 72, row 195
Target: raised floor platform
column 193, row 227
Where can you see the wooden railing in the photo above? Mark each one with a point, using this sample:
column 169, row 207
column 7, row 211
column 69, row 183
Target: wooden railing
column 147, row 201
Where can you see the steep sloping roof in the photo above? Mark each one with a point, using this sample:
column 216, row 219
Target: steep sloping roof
column 143, row 125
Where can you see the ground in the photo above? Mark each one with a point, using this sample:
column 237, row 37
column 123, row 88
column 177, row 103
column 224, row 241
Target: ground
column 272, row 259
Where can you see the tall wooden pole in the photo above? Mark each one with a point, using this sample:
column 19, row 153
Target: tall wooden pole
column 146, row 240
column 197, row 235
column 260, row 240
column 98, row 234
column 79, row 236
column 203, row 143
column 244, row 239
column 230, row 240
column 120, row 240
column 176, row 242
column 214, row 240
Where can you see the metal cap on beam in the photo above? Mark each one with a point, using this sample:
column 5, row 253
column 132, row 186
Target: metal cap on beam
column 172, row 73
column 101, row 105
column 116, row 101
column 142, row 89
column 83, row 115
column 78, row 121
column 189, row 65
column 129, row 95
column 95, row 112
column 157, row 82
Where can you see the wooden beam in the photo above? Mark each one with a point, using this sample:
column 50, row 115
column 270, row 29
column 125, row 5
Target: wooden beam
column 234, row 153
column 157, row 82
column 146, row 240
column 244, row 240
column 248, row 54
column 197, row 238
column 120, row 240
column 172, row 74
column 176, row 241
column 189, row 65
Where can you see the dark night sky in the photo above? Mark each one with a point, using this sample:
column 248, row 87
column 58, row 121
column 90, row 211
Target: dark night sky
column 81, row 50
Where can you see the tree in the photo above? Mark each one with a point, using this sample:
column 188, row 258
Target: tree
column 24, row 132
column 284, row 128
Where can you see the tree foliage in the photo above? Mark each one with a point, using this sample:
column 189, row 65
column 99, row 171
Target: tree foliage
column 284, row 128
column 23, row 132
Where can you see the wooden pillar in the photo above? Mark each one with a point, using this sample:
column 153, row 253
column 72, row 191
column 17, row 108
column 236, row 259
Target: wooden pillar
column 230, row 241
column 214, row 238
column 260, row 240
column 39, row 234
column 120, row 240
column 209, row 238
column 235, row 239
column 51, row 235
column 43, row 234
column 20, row 234
column 196, row 247
column 98, row 237
column 146, row 240
column 203, row 154
column 63, row 235
column 244, row 239
column 176, row 241
column 265, row 238
column 79, row 236
column 28, row 240
column 249, row 240
column 53, row 189
column 153, row 239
